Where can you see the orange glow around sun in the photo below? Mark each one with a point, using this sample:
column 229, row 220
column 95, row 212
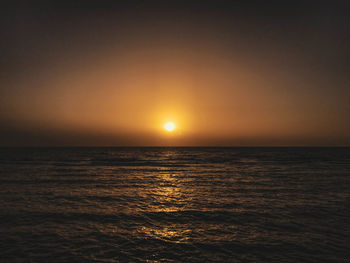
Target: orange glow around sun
column 169, row 126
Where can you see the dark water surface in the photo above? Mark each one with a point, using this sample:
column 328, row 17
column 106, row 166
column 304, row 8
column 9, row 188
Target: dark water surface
column 175, row 205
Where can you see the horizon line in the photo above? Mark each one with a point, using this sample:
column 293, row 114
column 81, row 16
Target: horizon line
column 187, row 146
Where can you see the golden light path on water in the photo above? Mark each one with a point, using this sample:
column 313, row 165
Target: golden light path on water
column 173, row 195
column 168, row 190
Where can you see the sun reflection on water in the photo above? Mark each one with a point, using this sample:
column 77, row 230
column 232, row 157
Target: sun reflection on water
column 175, row 234
column 169, row 195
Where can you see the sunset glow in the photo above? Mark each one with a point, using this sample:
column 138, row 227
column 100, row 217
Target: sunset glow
column 169, row 126
column 220, row 77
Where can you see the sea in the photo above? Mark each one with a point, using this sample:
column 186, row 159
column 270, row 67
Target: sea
column 174, row 204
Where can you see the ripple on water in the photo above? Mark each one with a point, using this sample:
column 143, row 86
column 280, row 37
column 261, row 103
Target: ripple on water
column 175, row 205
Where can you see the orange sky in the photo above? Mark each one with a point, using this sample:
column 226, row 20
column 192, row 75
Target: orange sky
column 218, row 90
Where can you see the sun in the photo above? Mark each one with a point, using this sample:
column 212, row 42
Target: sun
column 169, row 126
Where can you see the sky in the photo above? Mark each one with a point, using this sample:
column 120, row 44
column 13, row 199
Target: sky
column 226, row 73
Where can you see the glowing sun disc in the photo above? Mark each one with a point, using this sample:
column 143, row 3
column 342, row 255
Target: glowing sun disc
column 169, row 126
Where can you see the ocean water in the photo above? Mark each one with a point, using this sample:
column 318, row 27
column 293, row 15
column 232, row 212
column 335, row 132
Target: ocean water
column 175, row 205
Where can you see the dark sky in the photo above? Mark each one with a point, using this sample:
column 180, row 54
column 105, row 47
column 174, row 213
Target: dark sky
column 226, row 72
